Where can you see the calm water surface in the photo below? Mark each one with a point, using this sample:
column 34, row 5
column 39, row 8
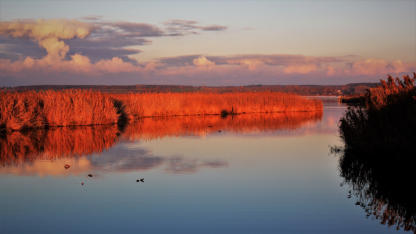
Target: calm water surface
column 247, row 174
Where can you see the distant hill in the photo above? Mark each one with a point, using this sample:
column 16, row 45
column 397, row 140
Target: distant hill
column 329, row 90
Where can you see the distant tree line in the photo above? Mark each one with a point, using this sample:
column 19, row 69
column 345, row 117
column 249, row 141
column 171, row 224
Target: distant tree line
column 307, row 90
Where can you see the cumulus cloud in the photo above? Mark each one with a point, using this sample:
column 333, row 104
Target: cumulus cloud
column 202, row 61
column 49, row 34
column 97, row 39
column 109, row 54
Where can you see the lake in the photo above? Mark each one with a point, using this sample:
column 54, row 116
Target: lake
column 253, row 173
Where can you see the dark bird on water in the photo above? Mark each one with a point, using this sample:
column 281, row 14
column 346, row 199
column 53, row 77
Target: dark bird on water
column 89, row 175
column 140, row 180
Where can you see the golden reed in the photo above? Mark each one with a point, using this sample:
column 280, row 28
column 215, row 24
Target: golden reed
column 183, row 104
column 32, row 109
column 39, row 109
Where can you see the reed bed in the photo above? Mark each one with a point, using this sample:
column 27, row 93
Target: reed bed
column 184, row 104
column 32, row 109
column 387, row 120
column 390, row 92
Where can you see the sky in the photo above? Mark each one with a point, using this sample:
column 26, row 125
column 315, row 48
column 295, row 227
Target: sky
column 211, row 43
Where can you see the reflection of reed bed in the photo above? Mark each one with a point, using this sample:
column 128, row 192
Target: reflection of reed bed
column 182, row 104
column 383, row 188
column 151, row 128
column 20, row 147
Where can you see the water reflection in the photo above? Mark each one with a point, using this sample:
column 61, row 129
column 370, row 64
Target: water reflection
column 381, row 180
column 45, row 152
column 22, row 147
column 152, row 128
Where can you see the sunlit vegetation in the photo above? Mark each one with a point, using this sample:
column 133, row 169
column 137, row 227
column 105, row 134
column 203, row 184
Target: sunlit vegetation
column 24, row 110
column 378, row 158
column 17, row 148
column 43, row 109
column 387, row 120
column 184, row 104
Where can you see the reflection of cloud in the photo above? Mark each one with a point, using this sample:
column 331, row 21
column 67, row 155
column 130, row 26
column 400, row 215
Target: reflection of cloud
column 50, row 167
column 180, row 165
column 118, row 160
column 126, row 160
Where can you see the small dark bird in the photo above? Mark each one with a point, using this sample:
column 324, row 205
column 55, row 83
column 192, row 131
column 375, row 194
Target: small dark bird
column 67, row 166
column 140, row 180
column 89, row 175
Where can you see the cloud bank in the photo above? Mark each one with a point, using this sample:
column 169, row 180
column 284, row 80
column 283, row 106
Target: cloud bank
column 98, row 52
